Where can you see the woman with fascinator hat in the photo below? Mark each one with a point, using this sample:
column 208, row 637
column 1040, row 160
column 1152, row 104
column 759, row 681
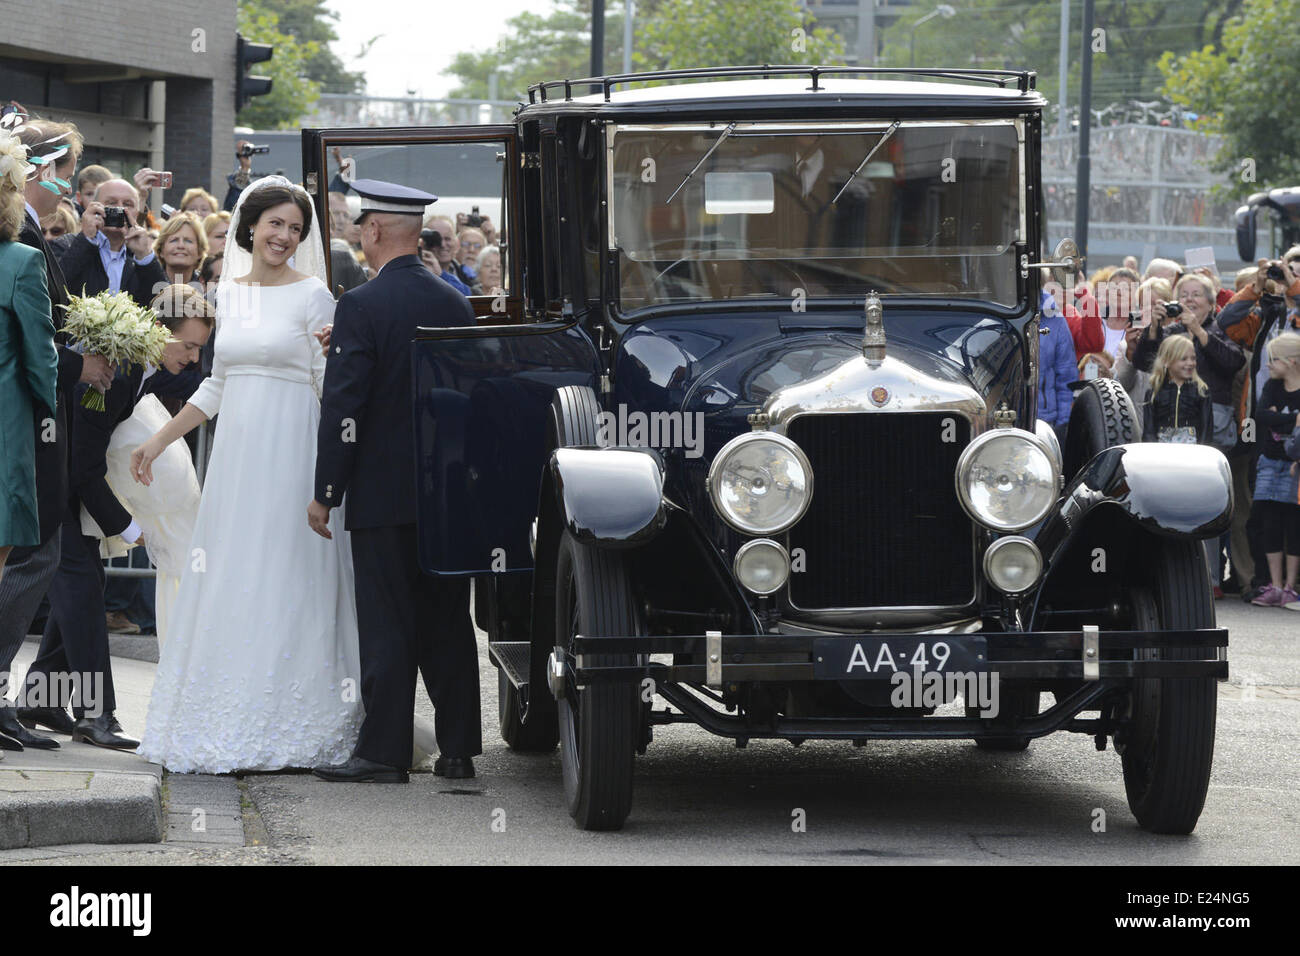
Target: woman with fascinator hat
column 260, row 670
column 28, row 361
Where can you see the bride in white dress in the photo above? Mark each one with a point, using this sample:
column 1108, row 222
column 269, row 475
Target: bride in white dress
column 261, row 667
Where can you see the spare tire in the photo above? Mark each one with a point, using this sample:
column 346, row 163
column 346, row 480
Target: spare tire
column 1102, row 417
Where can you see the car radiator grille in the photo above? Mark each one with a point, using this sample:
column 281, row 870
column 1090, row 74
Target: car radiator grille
column 885, row 528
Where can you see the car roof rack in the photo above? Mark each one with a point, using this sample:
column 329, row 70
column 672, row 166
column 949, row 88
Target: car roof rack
column 1025, row 79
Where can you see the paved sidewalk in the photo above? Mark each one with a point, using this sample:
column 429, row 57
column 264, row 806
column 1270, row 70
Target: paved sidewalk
column 81, row 793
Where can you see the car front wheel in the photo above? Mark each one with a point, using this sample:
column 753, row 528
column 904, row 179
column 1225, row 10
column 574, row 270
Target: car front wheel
column 599, row 723
column 1166, row 739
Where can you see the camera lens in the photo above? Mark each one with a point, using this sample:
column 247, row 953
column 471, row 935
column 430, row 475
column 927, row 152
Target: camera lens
column 1275, row 273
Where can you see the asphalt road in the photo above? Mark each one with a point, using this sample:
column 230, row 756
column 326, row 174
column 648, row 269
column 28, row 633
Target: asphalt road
column 699, row 799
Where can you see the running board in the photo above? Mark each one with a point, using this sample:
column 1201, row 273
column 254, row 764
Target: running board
column 513, row 657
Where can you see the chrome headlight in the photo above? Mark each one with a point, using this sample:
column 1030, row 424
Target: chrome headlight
column 1048, row 434
column 1007, row 479
column 1013, row 564
column 762, row 566
column 760, row 482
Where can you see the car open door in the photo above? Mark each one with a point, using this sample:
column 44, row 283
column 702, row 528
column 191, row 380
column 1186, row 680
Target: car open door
column 481, row 394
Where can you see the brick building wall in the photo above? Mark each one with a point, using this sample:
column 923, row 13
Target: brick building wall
column 188, row 44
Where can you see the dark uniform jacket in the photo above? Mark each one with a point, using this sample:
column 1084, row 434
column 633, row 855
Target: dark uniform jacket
column 368, row 380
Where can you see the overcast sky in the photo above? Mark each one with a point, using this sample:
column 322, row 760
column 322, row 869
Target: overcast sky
column 418, row 39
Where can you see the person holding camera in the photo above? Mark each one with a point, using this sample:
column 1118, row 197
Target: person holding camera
column 1217, row 357
column 1151, row 297
column 475, row 220
column 1258, row 314
column 112, row 251
column 1255, row 316
column 437, row 252
column 240, row 178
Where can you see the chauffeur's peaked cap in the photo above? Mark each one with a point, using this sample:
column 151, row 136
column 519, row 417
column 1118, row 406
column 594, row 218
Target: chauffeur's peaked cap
column 379, row 196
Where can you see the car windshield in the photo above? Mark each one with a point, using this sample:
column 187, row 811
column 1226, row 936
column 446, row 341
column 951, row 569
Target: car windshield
column 737, row 210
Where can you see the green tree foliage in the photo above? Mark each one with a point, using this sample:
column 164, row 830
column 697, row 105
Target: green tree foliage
column 310, row 22
column 670, row 34
column 536, row 47
column 1025, row 35
column 292, row 93
column 1241, row 87
column 685, row 34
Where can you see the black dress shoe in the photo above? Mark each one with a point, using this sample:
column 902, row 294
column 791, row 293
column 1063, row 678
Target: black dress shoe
column 454, row 768
column 113, row 725
column 360, row 770
column 55, row 718
column 96, row 731
column 12, row 730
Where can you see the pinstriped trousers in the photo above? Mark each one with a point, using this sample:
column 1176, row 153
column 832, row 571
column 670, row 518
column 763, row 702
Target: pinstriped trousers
column 27, row 578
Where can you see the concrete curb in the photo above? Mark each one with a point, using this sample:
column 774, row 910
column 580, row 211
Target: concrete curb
column 136, row 647
column 81, row 806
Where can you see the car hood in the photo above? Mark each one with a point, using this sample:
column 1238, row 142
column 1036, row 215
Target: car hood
column 730, row 366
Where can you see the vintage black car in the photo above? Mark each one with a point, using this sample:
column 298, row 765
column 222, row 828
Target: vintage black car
column 748, row 437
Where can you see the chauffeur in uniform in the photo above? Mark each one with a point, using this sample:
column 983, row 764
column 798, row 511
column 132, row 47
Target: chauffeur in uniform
column 365, row 458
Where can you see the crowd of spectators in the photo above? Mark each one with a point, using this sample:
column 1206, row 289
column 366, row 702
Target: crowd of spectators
column 1206, row 364
column 186, row 245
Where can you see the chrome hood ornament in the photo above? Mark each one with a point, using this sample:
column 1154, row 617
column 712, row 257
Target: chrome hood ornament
column 873, row 339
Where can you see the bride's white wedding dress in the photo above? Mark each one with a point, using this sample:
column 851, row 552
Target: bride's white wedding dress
column 261, row 670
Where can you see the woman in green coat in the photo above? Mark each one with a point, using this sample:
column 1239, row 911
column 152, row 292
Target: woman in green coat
column 28, row 373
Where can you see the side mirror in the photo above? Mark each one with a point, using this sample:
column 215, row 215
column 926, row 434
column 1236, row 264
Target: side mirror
column 1245, row 223
column 1065, row 256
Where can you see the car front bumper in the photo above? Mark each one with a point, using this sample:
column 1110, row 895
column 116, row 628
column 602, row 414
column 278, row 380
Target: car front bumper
column 1086, row 654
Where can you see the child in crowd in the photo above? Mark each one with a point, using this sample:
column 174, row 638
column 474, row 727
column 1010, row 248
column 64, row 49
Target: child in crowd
column 1277, row 484
column 1179, row 409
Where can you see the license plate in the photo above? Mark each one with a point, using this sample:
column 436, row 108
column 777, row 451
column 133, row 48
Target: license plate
column 880, row 658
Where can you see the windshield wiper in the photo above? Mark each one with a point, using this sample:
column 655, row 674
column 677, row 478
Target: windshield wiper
column 888, row 133
column 716, row 143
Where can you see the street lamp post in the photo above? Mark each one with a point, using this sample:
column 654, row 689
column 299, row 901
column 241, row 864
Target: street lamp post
column 1083, row 184
column 942, row 10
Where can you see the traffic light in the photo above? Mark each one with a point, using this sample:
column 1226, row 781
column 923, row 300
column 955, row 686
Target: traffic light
column 247, row 86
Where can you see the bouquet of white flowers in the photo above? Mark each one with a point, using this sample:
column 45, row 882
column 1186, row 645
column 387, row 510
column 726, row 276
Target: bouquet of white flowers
column 112, row 325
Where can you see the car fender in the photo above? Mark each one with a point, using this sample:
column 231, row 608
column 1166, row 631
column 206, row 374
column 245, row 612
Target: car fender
column 1170, row 489
column 609, row 497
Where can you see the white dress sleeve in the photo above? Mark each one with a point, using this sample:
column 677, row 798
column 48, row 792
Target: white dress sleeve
column 320, row 313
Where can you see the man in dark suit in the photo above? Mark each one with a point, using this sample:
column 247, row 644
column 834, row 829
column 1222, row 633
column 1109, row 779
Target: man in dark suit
column 365, row 456
column 114, row 258
column 29, row 570
column 75, row 643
